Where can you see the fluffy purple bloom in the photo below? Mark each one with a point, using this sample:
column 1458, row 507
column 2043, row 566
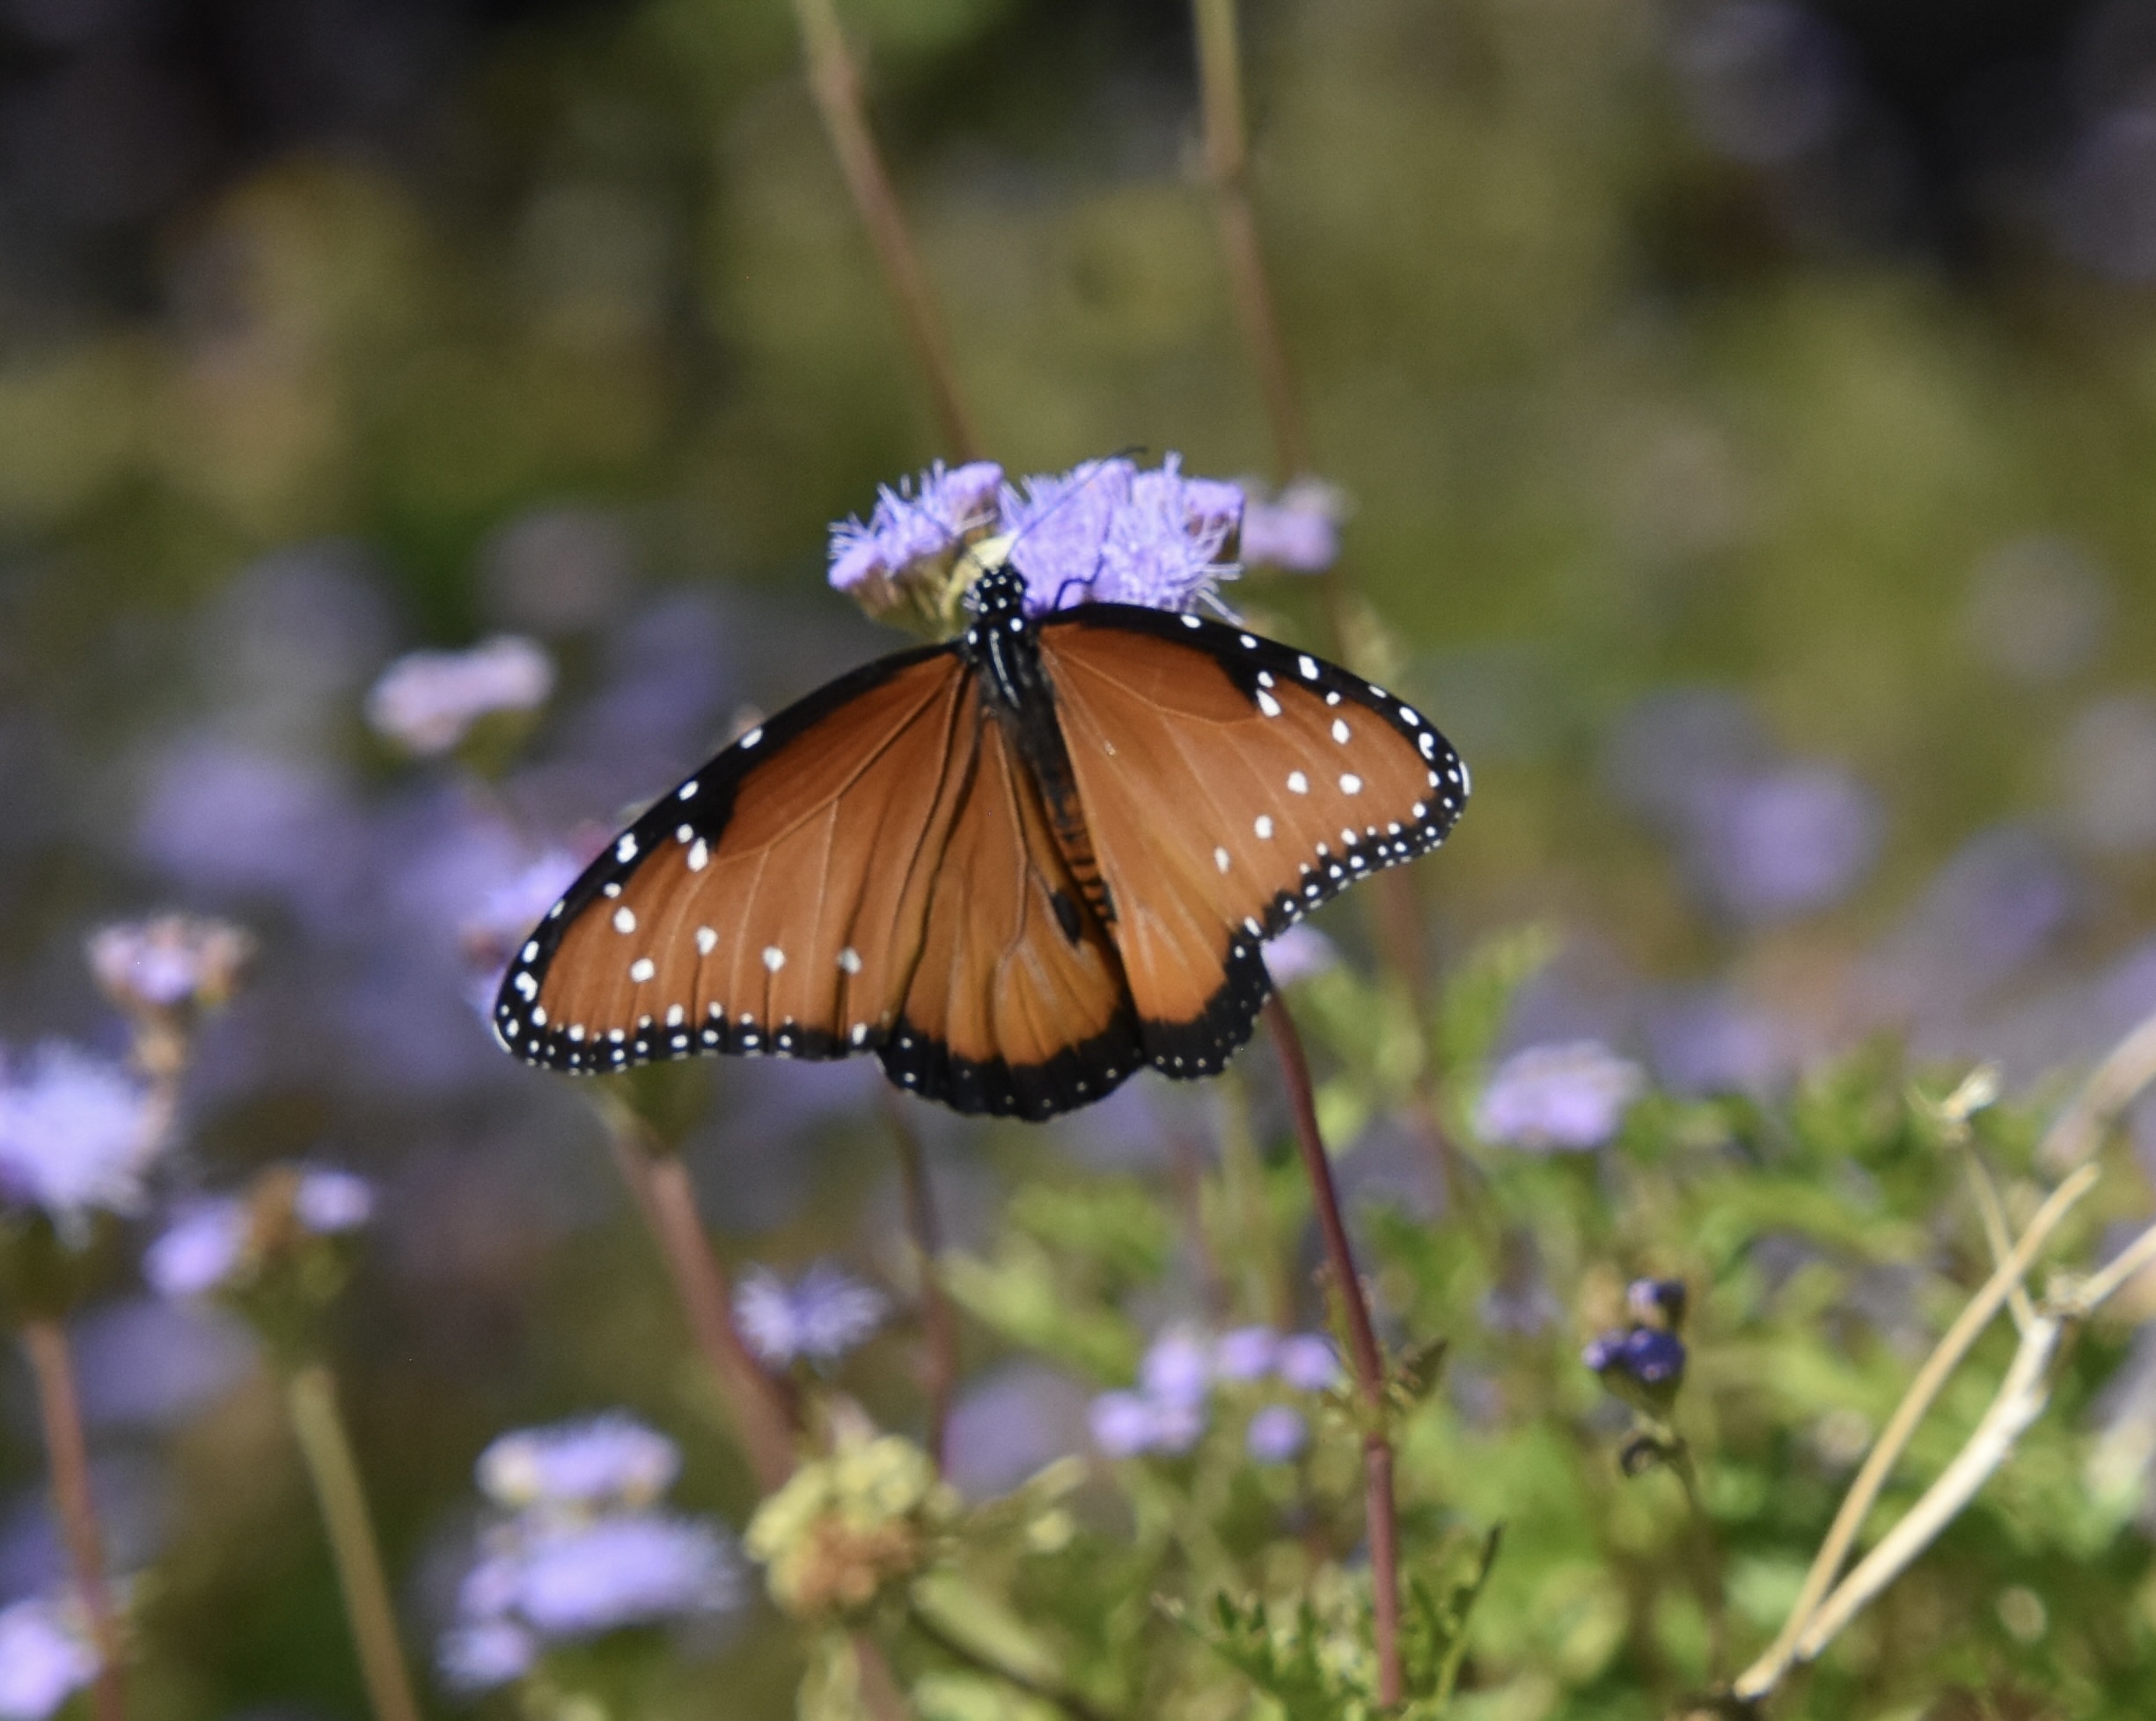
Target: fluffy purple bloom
column 199, row 1250
column 1645, row 1355
column 1176, row 1369
column 1106, row 532
column 45, row 1657
column 916, row 521
column 1298, row 531
column 329, row 1202
column 427, row 702
column 822, row 1315
column 76, row 1133
column 172, row 960
column 1124, row 1425
column 594, row 1461
column 1246, row 1353
column 1657, row 1302
column 480, row 1656
column 637, row 1569
column 1277, row 1434
column 1558, row 1098
column 1306, row 1362
column 1784, row 842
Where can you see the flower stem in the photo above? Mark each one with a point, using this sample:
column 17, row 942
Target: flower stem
column 1369, row 1360
column 1219, row 77
column 46, row 1344
column 835, row 82
column 939, row 1323
column 311, row 1397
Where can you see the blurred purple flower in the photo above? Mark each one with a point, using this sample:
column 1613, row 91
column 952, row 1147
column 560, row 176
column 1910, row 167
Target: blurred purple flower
column 197, row 1252
column 45, row 1657
column 1784, row 842
column 1176, row 1369
column 603, row 1461
column 427, row 702
column 1711, row 1041
column 171, row 960
column 227, row 816
column 1105, row 532
column 822, row 1315
column 1643, row 1355
column 1277, row 1434
column 1306, row 1362
column 1125, row 1424
column 479, row 1656
column 580, row 1580
column 1245, row 1354
column 328, row 1201
column 1657, row 1302
column 1008, row 1424
column 2000, row 901
column 508, row 910
column 918, row 521
column 1766, row 81
column 76, row 1133
column 1558, row 1098
column 1297, row 530
column 143, row 1364
column 1297, row 954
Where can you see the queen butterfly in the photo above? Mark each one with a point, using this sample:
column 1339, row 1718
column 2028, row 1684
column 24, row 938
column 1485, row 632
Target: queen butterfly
column 1016, row 866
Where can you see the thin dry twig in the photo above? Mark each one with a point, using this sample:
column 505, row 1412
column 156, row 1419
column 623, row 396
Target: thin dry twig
column 1764, row 1673
column 1370, row 1361
column 834, row 80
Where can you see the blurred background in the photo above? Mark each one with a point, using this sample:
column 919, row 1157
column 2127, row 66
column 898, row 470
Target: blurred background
column 1747, row 412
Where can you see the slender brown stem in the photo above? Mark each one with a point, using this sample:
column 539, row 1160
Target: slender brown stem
column 939, row 1322
column 834, row 80
column 1369, row 1360
column 45, row 1343
column 311, row 1395
column 1220, row 75
column 764, row 1414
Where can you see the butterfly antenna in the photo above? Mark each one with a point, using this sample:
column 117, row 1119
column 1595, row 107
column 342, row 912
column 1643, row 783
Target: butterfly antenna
column 1092, row 469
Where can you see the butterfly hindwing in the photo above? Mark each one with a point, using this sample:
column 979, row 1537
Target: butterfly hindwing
column 775, row 902
column 1231, row 784
column 1018, row 1005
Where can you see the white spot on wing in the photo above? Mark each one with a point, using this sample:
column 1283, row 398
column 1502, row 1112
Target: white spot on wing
column 624, row 920
column 1267, row 704
column 1341, row 730
column 700, row 856
column 707, row 941
column 531, row 951
column 774, row 958
column 674, row 1016
column 1350, row 783
column 1220, row 859
column 1297, row 783
column 626, row 849
column 751, row 738
column 688, row 790
column 1264, row 827
column 1190, row 621
column 849, row 959
column 1307, row 664
column 641, row 969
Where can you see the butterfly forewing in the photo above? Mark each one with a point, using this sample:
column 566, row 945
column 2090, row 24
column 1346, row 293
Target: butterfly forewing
column 774, row 901
column 1230, row 785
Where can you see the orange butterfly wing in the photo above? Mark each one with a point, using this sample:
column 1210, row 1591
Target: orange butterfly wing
column 869, row 871
column 1230, row 785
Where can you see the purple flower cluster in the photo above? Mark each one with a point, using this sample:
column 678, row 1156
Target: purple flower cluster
column 45, row 1657
column 1297, row 530
column 427, row 702
column 816, row 1318
column 78, row 1134
column 1559, row 1098
column 205, row 1246
column 169, row 961
column 1168, row 1410
column 586, row 1551
column 1104, row 532
column 1644, row 1363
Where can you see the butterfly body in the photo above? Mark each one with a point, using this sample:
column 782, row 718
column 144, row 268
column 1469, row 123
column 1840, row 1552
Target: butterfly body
column 1016, row 866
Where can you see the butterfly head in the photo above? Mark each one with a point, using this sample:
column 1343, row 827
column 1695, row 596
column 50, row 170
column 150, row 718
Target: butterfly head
column 998, row 594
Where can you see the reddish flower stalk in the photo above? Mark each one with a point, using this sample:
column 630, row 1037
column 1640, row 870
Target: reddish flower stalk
column 47, row 1345
column 1367, row 1360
